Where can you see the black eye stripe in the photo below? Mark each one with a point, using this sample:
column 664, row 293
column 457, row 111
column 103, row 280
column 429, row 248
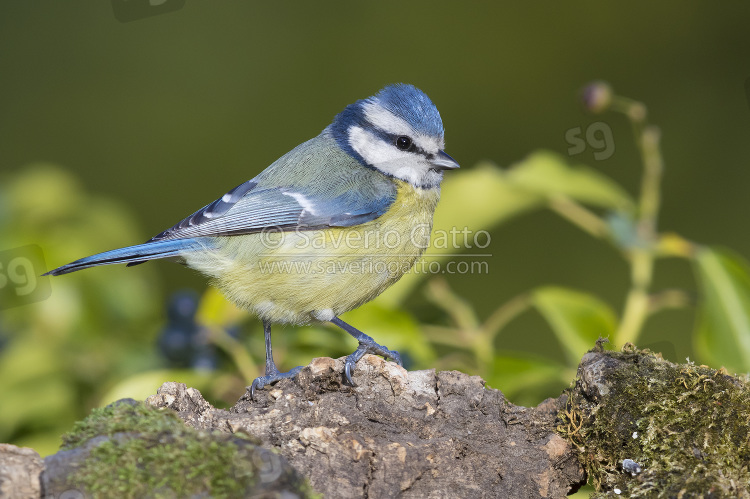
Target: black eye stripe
column 391, row 138
column 394, row 139
column 413, row 147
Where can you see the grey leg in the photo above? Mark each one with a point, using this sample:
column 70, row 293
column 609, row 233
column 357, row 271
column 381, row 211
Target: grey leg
column 366, row 345
column 272, row 372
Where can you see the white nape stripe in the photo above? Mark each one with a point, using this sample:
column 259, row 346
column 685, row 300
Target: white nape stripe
column 305, row 203
column 386, row 120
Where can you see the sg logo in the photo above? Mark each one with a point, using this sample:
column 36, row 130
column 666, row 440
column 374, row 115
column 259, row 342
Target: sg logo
column 20, row 277
column 598, row 136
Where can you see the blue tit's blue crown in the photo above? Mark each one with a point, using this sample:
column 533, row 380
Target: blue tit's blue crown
column 403, row 101
column 413, row 105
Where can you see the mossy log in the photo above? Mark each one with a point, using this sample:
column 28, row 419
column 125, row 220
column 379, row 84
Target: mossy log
column 637, row 424
column 646, row 427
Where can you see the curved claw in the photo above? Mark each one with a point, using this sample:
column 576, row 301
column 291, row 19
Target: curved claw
column 270, row 379
column 348, row 367
column 364, row 348
column 252, row 388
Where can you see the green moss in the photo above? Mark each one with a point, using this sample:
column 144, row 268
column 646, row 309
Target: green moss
column 147, row 452
column 687, row 425
column 121, row 416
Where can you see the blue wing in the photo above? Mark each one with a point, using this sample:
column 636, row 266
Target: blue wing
column 315, row 185
column 249, row 208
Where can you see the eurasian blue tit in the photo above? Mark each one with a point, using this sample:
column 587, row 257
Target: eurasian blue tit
column 327, row 227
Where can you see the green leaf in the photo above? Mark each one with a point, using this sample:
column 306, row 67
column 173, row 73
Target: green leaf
column 479, row 199
column 722, row 336
column 526, row 379
column 548, row 174
column 577, row 319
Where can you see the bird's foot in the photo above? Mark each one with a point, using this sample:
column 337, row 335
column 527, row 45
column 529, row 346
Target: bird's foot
column 368, row 346
column 270, row 378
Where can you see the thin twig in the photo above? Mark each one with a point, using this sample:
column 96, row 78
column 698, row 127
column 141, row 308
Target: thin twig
column 579, row 216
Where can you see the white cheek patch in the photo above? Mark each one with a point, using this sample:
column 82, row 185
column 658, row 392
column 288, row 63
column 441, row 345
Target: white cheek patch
column 391, row 161
column 389, row 122
column 372, row 148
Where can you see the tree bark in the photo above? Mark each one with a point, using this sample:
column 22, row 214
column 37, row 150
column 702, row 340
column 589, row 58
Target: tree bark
column 398, row 433
column 20, row 468
column 395, row 434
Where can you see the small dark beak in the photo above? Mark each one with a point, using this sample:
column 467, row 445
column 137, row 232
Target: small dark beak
column 442, row 161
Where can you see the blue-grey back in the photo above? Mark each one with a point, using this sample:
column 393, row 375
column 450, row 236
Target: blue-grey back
column 315, row 185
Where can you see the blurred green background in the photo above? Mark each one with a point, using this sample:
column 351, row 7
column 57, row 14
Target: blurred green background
column 112, row 131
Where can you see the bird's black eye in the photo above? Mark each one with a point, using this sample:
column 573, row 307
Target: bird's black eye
column 403, row 142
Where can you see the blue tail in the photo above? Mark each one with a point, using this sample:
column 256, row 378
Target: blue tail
column 134, row 254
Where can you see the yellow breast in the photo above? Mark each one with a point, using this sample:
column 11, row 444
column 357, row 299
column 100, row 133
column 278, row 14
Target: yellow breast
column 304, row 276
